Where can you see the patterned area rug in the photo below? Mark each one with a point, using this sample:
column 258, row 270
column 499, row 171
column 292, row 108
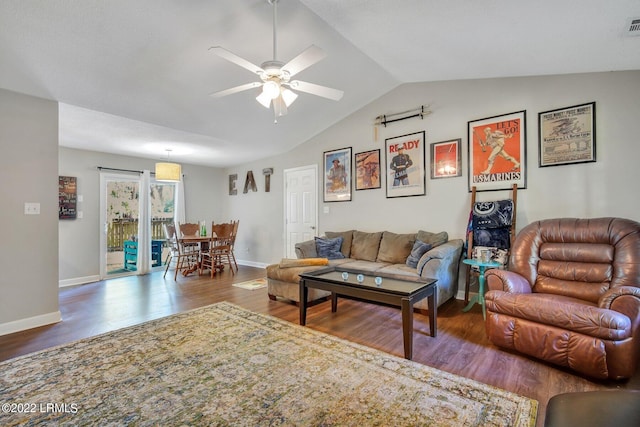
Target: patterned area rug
column 252, row 285
column 223, row 365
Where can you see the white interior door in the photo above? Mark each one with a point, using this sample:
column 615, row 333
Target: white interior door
column 301, row 196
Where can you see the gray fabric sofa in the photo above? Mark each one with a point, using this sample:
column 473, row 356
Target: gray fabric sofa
column 384, row 252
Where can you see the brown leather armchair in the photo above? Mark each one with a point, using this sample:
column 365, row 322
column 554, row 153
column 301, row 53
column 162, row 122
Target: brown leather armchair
column 571, row 295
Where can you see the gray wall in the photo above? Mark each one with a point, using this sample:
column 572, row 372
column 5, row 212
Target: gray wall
column 607, row 187
column 79, row 244
column 28, row 132
column 29, row 173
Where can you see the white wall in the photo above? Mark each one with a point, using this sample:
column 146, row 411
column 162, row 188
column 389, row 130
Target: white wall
column 607, row 187
column 79, row 243
column 29, row 173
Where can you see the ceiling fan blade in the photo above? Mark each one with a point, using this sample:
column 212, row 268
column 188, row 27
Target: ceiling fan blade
column 236, row 89
column 307, row 58
column 232, row 57
column 314, row 89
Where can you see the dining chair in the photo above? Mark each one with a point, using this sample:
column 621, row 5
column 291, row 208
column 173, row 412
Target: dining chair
column 219, row 252
column 234, row 234
column 176, row 255
column 189, row 250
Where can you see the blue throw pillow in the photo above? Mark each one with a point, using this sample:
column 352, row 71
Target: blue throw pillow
column 329, row 248
column 419, row 248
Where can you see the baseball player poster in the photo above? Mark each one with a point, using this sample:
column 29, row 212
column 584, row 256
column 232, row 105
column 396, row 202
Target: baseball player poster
column 497, row 152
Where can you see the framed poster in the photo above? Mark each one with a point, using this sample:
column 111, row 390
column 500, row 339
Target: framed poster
column 404, row 156
column 446, row 160
column 337, row 175
column 498, row 152
column 67, row 197
column 567, row 135
column 367, row 170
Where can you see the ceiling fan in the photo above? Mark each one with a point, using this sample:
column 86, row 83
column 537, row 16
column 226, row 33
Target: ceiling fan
column 276, row 76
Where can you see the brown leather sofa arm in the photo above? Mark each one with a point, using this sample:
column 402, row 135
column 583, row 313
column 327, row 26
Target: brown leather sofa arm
column 507, row 281
column 623, row 299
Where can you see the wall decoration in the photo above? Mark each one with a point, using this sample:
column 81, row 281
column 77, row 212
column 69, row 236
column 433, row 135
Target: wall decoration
column 567, row 135
column 446, row 160
column 337, row 175
column 367, row 170
column 498, row 152
column 232, row 184
column 249, row 183
column 267, row 172
column 67, row 197
column 404, row 156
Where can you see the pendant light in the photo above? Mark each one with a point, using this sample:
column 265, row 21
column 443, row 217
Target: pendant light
column 167, row 171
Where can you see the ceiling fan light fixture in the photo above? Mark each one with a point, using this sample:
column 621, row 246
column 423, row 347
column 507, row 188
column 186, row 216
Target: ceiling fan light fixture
column 271, row 89
column 264, row 99
column 288, row 96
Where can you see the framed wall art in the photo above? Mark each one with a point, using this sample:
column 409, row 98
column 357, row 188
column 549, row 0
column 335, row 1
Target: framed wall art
column 446, row 160
column 405, row 165
column 567, row 135
column 498, row 152
column 337, row 175
column 67, row 197
column 367, row 170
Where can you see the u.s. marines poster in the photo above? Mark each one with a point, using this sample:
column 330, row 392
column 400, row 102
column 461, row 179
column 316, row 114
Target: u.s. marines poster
column 497, row 152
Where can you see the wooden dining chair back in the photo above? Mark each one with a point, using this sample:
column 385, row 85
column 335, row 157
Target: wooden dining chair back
column 174, row 257
column 234, row 234
column 219, row 252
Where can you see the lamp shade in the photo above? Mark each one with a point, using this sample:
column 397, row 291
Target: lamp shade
column 169, row 172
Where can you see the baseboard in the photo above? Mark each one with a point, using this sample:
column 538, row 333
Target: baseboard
column 30, row 322
column 78, row 281
column 252, row 264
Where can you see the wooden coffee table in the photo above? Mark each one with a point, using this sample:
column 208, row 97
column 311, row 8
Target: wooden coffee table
column 397, row 290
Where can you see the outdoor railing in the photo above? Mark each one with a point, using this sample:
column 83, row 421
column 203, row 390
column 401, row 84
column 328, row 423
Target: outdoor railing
column 123, row 229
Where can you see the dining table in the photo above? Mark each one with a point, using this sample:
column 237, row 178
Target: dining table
column 203, row 243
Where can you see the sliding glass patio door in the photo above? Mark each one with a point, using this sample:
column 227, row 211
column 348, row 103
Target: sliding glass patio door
column 125, row 219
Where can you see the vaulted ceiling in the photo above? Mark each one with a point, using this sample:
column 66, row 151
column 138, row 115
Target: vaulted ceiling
column 134, row 76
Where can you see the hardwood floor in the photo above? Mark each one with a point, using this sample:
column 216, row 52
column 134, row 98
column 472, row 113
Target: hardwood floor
column 461, row 346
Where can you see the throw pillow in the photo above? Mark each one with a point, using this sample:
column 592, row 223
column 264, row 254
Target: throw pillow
column 395, row 248
column 435, row 239
column 329, row 248
column 365, row 245
column 347, row 237
column 419, row 248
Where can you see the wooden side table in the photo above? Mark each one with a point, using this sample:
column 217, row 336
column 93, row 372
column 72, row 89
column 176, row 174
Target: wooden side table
column 482, row 267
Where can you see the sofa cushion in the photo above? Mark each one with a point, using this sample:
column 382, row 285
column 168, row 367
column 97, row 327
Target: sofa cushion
column 365, row 245
column 419, row 248
column 365, row 266
column 395, row 248
column 329, row 248
column 435, row 239
column 306, row 249
column 347, row 238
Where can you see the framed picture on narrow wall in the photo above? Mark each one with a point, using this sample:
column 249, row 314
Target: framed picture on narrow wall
column 404, row 157
column 567, row 135
column 498, row 152
column 337, row 175
column 446, row 161
column 367, row 170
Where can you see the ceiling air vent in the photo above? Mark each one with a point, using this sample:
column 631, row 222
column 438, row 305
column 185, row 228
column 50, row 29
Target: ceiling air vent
column 633, row 27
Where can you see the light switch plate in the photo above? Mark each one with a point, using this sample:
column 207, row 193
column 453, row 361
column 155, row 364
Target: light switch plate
column 32, row 208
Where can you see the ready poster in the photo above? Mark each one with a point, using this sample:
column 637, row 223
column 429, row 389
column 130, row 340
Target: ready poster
column 405, row 165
